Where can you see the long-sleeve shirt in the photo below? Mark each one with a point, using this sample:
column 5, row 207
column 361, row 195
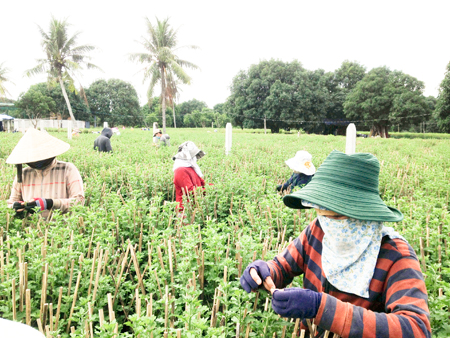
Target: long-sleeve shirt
column 397, row 304
column 60, row 181
column 185, row 180
column 296, row 180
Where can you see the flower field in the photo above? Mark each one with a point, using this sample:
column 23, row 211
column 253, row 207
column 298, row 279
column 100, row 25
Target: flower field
column 124, row 265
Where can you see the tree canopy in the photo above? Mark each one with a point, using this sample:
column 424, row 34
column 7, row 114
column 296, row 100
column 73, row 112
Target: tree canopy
column 35, row 104
column 3, row 80
column 284, row 93
column 443, row 103
column 115, row 101
column 384, row 97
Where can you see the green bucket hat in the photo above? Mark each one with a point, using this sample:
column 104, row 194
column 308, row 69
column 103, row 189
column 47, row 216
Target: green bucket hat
column 347, row 185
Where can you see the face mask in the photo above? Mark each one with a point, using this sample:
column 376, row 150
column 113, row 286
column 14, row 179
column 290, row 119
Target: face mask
column 158, row 137
column 39, row 165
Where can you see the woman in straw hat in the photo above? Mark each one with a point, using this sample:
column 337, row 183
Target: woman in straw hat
column 187, row 174
column 360, row 278
column 46, row 183
column 303, row 171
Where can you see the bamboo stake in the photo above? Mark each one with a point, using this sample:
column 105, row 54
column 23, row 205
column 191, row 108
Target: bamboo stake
column 13, row 282
column 39, row 323
column 28, row 306
column 310, row 328
column 74, row 301
column 92, row 271
column 99, row 267
column 422, row 255
column 58, row 309
column 91, row 328
column 136, row 267
column 21, row 285
column 44, row 290
column 50, row 315
column 157, row 282
column 70, row 278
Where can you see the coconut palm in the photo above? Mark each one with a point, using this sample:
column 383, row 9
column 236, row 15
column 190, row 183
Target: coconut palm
column 64, row 57
column 3, row 79
column 172, row 93
column 161, row 60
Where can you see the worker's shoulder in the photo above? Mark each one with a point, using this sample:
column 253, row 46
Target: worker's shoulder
column 395, row 248
column 61, row 165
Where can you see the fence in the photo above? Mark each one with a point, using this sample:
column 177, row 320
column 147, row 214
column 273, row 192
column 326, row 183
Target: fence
column 23, row 124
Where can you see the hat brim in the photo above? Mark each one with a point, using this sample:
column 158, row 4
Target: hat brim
column 36, row 146
column 347, row 201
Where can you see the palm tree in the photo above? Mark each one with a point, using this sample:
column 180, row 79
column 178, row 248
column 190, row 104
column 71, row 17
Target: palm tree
column 3, row 79
column 172, row 93
column 64, row 57
column 161, row 60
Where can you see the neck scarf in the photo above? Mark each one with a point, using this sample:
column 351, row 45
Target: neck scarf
column 187, row 163
column 350, row 249
column 41, row 165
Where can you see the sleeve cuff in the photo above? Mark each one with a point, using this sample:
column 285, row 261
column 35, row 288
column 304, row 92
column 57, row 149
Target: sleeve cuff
column 56, row 204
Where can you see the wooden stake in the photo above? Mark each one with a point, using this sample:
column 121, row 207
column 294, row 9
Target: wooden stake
column 58, row 309
column 13, row 282
column 74, row 301
column 28, row 306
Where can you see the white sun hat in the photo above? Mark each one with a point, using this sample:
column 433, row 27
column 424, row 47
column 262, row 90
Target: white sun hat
column 36, row 146
column 301, row 163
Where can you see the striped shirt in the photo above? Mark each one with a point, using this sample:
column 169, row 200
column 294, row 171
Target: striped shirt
column 397, row 304
column 60, row 181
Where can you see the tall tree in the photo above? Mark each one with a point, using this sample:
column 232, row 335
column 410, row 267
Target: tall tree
column 64, row 57
column 161, row 59
column 443, row 103
column 115, row 101
column 3, row 79
column 35, row 104
column 384, row 97
column 283, row 94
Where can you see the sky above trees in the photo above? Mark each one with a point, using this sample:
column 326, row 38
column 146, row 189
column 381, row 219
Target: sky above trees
column 407, row 36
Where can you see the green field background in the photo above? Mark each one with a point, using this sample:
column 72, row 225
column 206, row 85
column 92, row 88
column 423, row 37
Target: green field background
column 182, row 277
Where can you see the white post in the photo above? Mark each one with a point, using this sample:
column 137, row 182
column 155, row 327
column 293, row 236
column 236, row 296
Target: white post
column 350, row 140
column 69, row 129
column 155, row 126
column 228, row 136
column 41, row 125
column 105, row 124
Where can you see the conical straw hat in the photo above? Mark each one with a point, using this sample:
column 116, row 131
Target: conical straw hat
column 36, row 146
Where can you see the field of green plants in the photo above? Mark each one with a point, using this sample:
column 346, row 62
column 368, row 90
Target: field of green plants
column 124, row 265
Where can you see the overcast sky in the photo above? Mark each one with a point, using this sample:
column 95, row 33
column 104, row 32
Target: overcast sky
column 411, row 36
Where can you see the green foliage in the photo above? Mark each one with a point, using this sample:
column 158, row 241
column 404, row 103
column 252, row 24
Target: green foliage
column 282, row 92
column 129, row 196
column 35, row 104
column 188, row 107
column 384, row 97
column 3, row 80
column 114, row 101
column 443, row 103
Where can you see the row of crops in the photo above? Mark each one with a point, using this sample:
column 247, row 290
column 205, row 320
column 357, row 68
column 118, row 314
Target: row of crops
column 124, row 265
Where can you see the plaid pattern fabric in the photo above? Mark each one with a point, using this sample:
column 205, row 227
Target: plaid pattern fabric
column 61, row 181
column 397, row 304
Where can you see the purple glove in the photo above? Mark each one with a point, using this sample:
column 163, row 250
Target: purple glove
column 247, row 281
column 296, row 302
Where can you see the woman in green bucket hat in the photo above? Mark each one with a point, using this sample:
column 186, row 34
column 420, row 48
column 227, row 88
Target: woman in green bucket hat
column 360, row 278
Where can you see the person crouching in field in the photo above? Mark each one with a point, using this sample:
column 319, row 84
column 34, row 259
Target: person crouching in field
column 360, row 278
column 303, row 171
column 103, row 142
column 187, row 174
column 46, row 184
column 161, row 139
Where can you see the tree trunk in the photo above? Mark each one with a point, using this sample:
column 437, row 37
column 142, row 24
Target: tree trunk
column 63, row 88
column 163, row 98
column 174, row 119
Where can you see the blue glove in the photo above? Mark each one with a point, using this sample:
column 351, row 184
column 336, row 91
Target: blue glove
column 296, row 302
column 247, row 281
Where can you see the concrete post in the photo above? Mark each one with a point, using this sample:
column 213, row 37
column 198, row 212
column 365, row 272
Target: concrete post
column 228, row 137
column 350, row 140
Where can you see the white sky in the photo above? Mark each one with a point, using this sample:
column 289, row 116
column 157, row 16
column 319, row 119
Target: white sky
column 411, row 36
